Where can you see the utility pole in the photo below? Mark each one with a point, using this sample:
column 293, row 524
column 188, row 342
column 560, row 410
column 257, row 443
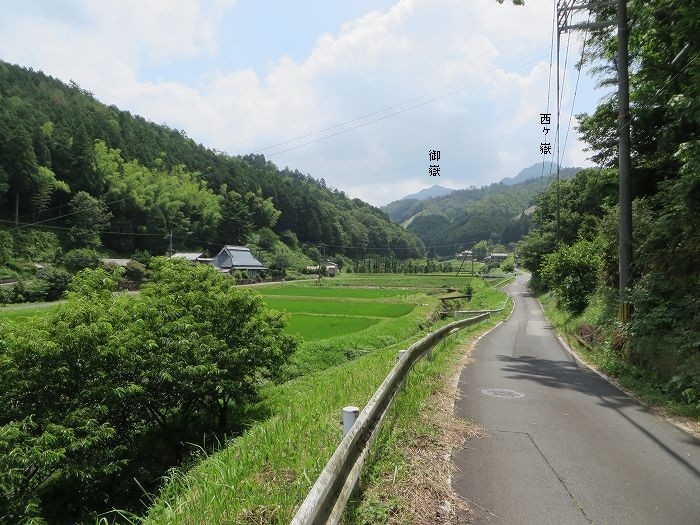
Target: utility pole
column 623, row 129
column 624, row 161
column 170, row 244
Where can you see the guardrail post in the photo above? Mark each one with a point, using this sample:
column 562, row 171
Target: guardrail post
column 349, row 417
column 400, row 355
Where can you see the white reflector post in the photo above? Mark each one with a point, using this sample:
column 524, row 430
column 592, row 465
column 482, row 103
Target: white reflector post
column 349, row 417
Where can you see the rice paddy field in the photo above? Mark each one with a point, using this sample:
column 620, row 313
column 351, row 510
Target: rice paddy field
column 263, row 475
column 350, row 329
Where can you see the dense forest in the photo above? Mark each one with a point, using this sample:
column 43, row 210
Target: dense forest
column 61, row 149
column 495, row 213
column 661, row 342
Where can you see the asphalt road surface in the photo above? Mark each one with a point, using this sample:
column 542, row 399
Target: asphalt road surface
column 563, row 445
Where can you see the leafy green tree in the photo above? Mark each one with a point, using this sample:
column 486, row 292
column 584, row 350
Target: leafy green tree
column 6, row 247
column 89, row 217
column 480, row 250
column 57, row 281
column 236, row 220
column 36, row 246
column 81, row 258
column 572, row 272
column 280, row 262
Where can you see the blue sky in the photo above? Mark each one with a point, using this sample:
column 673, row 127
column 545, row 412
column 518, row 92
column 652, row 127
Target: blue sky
column 240, row 75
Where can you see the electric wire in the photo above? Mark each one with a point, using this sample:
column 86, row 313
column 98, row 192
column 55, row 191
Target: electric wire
column 578, row 76
column 549, row 80
column 388, row 108
column 429, row 101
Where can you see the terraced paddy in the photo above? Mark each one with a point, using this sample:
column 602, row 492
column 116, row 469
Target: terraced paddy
column 306, row 290
column 321, row 312
column 338, row 307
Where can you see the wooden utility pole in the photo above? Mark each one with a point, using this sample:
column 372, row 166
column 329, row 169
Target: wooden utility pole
column 623, row 128
column 624, row 161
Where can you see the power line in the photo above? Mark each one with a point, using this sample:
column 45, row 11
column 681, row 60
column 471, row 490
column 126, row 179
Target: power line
column 429, row 101
column 578, row 76
column 25, row 225
column 549, row 84
column 388, row 108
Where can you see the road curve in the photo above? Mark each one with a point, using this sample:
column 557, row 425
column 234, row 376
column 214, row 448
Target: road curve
column 562, row 445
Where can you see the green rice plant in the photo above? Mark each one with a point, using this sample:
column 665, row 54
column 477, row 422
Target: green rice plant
column 349, row 308
column 311, row 327
column 298, row 290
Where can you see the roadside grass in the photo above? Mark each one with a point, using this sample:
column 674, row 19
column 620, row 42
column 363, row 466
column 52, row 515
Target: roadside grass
column 363, row 309
column 312, row 327
column 600, row 319
column 263, row 475
column 406, row 477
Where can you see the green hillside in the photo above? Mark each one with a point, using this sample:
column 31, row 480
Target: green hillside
column 57, row 140
column 492, row 212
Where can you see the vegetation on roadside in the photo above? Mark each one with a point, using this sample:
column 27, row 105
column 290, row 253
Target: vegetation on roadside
column 598, row 336
column 660, row 346
column 273, row 464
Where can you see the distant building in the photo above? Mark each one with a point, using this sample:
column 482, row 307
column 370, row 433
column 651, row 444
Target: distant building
column 331, row 268
column 466, row 254
column 116, row 262
column 193, row 257
column 498, row 257
column 232, row 258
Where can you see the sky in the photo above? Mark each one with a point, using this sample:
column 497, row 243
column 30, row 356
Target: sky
column 351, row 91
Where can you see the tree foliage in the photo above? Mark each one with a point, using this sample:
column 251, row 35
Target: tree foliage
column 111, row 388
column 154, row 179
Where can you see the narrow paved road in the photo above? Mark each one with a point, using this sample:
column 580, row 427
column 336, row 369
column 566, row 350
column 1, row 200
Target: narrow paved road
column 562, row 445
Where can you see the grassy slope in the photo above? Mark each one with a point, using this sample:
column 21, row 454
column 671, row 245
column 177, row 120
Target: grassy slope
column 14, row 312
column 262, row 476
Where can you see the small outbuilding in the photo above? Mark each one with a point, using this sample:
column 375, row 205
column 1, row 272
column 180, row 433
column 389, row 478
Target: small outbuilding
column 232, row 258
column 499, row 257
column 193, row 257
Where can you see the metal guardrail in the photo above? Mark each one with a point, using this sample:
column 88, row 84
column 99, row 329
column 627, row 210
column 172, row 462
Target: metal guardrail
column 327, row 498
column 326, row 501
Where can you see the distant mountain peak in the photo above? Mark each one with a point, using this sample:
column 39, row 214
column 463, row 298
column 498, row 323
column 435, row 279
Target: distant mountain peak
column 535, row 171
column 428, row 193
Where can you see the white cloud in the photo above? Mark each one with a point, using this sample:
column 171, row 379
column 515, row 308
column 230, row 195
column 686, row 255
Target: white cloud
column 488, row 130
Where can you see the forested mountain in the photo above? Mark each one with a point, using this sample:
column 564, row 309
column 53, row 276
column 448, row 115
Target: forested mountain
column 57, row 141
column 463, row 217
column 535, row 171
column 428, row 193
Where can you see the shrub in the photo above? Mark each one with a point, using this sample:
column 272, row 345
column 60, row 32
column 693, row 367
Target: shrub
column 135, row 271
column 81, row 258
column 36, row 245
column 267, row 239
column 142, row 256
column 572, row 273
column 6, row 245
column 29, row 291
column 57, row 280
